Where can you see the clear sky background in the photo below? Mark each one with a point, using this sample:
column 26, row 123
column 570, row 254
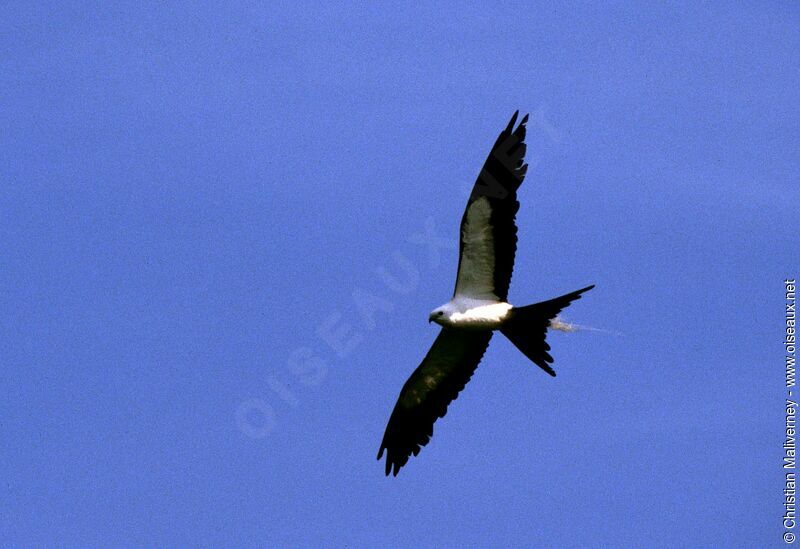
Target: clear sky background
column 191, row 197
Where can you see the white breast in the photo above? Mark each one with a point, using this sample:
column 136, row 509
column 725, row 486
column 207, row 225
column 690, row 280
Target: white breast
column 478, row 314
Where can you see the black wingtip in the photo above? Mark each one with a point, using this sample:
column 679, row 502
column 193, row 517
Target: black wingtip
column 513, row 120
column 545, row 366
column 389, row 462
column 510, row 127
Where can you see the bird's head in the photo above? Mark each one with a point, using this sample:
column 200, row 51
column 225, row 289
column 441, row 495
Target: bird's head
column 441, row 315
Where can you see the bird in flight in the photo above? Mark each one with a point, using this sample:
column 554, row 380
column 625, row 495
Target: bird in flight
column 479, row 305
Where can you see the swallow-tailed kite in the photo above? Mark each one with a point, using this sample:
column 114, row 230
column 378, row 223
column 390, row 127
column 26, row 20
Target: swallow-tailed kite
column 478, row 307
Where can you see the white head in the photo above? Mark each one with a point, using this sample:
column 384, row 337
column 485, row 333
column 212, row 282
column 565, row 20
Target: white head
column 442, row 315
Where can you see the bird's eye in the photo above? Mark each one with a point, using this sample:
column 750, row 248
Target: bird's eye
column 440, row 313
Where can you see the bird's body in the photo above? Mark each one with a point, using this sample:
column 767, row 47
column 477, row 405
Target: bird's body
column 466, row 313
column 479, row 306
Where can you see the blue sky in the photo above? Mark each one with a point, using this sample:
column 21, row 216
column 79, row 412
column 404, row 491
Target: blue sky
column 192, row 197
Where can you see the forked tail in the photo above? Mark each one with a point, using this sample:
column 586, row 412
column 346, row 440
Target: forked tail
column 527, row 327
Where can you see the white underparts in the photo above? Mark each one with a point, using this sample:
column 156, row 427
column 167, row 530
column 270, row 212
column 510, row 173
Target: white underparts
column 469, row 313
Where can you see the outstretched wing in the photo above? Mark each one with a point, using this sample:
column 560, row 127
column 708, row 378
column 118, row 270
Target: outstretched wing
column 488, row 230
column 444, row 372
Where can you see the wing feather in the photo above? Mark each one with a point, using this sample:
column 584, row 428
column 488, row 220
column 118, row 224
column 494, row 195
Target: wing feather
column 443, row 373
column 488, row 228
